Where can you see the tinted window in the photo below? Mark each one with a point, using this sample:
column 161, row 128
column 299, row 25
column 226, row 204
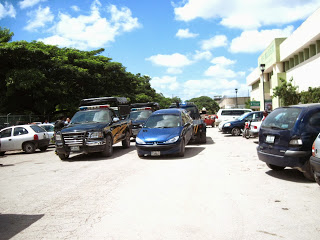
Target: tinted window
column 227, row 112
column 282, row 118
column 19, row 131
column 91, row 116
column 163, row 121
column 140, row 115
column 5, row 133
column 315, row 120
column 37, row 129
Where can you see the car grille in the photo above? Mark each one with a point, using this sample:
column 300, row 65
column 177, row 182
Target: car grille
column 73, row 139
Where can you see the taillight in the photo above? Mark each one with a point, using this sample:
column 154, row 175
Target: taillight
column 255, row 127
column 35, row 137
column 314, row 149
column 200, row 126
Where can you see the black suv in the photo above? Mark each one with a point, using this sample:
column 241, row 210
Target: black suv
column 286, row 137
column 100, row 123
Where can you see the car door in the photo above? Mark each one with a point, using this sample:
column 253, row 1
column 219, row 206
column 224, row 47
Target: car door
column 6, row 140
column 20, row 135
column 187, row 123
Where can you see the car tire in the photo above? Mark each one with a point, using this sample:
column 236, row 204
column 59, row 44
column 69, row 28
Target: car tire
column 126, row 141
column 235, row 131
column 29, row 147
column 275, row 167
column 203, row 137
column 42, row 149
column 108, row 150
column 63, row 156
column 140, row 155
column 2, row 153
column 182, row 148
column 308, row 173
column 317, row 179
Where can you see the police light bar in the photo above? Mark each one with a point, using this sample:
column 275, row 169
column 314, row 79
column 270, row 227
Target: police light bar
column 94, row 107
column 139, row 109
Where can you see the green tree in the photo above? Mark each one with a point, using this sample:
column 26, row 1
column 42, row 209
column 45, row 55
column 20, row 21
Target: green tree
column 208, row 103
column 5, row 35
column 286, row 92
column 310, row 96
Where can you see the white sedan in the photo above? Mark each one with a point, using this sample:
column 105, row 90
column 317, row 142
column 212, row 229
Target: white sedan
column 23, row 137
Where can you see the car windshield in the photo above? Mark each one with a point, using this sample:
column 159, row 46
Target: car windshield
column 243, row 116
column 140, row 115
column 163, row 121
column 91, row 116
column 282, row 118
column 48, row 127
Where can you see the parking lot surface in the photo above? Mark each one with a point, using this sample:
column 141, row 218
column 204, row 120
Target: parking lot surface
column 218, row 190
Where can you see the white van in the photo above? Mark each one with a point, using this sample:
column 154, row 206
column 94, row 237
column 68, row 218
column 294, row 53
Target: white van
column 230, row 114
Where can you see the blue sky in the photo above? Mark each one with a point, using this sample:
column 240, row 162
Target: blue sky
column 189, row 48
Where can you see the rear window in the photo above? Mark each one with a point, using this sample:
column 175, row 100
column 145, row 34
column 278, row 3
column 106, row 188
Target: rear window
column 282, row 118
column 234, row 112
column 37, row 129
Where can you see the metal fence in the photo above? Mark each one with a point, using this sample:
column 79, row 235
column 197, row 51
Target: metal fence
column 10, row 120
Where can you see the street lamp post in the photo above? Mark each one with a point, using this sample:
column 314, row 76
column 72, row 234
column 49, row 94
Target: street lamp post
column 262, row 68
column 236, row 98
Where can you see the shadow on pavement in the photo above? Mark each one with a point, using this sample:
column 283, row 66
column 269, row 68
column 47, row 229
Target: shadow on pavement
column 12, row 224
column 292, row 175
column 117, row 152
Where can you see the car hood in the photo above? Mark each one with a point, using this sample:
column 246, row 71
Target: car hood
column 84, row 127
column 158, row 134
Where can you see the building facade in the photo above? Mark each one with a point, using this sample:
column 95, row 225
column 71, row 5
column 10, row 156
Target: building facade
column 296, row 57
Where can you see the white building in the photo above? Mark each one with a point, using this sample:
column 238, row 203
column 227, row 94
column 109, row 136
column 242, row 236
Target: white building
column 295, row 57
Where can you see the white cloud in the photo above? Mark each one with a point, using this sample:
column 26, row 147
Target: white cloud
column 200, row 55
column 175, row 60
column 185, row 33
column 222, row 61
column 255, row 41
column 174, row 71
column 164, row 84
column 214, row 42
column 75, row 8
column 29, row 3
column 7, row 10
column 246, row 14
column 92, row 31
column 39, row 18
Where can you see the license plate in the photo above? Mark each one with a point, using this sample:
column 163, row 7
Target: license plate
column 155, row 153
column 270, row 139
column 75, row 148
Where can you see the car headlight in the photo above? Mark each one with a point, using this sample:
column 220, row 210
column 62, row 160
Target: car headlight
column 227, row 125
column 172, row 140
column 58, row 137
column 95, row 135
column 139, row 141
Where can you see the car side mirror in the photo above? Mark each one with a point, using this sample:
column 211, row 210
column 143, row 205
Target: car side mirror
column 115, row 119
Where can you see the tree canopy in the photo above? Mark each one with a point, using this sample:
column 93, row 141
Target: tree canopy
column 289, row 95
column 206, row 102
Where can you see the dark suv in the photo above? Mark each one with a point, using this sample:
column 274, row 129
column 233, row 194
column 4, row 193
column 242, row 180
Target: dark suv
column 234, row 127
column 286, row 137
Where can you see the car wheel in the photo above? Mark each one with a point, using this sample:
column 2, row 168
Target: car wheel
column 203, row 137
column 42, row 149
column 63, row 156
column 2, row 153
column 317, row 179
column 182, row 149
column 308, row 173
column 108, row 150
column 29, row 147
column 126, row 141
column 140, row 155
column 235, row 131
column 275, row 168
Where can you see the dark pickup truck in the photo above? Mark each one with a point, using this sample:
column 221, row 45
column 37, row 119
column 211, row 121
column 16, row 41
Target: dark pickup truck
column 100, row 123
